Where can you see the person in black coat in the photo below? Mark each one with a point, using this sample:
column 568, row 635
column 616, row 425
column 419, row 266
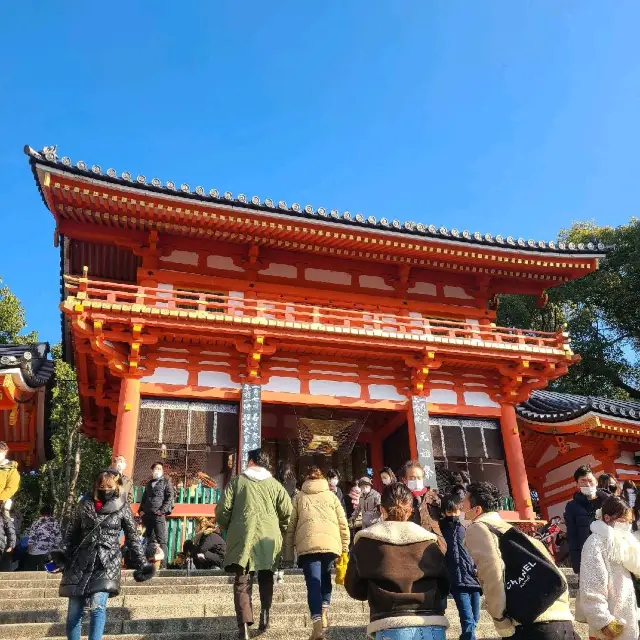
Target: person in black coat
column 90, row 558
column 333, row 478
column 207, row 549
column 580, row 512
column 156, row 505
column 465, row 588
column 7, row 540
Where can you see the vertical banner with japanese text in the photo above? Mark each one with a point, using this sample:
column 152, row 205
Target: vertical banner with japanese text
column 423, row 439
column 250, row 422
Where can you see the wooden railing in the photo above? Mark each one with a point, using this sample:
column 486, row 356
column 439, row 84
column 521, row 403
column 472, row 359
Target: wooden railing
column 305, row 316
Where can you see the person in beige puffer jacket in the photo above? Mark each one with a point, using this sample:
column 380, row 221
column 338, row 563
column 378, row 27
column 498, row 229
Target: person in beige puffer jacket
column 319, row 532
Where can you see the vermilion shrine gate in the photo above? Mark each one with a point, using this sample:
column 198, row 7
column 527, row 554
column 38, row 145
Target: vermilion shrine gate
column 203, row 323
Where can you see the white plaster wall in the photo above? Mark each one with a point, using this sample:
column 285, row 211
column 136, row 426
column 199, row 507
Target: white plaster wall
column 184, row 360
column 456, row 292
column 549, row 454
column 424, row 289
column 478, row 399
column 160, row 294
column 224, row 263
column 280, row 270
column 385, row 392
column 216, row 380
column 443, row 396
column 283, row 384
column 626, row 457
column 170, row 350
column 181, row 257
column 557, row 510
column 566, row 470
column 374, row 282
column 334, row 388
column 327, row 276
column 166, row 375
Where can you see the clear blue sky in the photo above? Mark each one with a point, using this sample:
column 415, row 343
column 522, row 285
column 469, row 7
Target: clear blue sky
column 497, row 116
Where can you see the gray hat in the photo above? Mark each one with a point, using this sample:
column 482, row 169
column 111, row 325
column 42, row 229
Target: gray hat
column 365, row 480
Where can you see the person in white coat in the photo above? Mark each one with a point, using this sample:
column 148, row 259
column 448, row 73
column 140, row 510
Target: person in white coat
column 609, row 557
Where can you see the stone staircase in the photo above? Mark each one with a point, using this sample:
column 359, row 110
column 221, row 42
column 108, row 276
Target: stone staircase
column 174, row 606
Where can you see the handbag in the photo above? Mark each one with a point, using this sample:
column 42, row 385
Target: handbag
column 532, row 583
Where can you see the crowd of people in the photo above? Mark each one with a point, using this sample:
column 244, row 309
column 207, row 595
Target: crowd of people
column 404, row 550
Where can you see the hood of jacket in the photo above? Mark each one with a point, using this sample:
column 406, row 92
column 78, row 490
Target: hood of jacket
column 621, row 547
column 396, row 533
column 315, row 486
column 110, row 506
column 257, row 474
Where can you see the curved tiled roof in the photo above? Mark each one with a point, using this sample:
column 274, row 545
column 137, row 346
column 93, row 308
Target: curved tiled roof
column 49, row 157
column 31, row 359
column 552, row 407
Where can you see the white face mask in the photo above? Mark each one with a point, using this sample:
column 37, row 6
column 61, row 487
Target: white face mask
column 333, row 482
column 156, row 475
column 365, row 490
column 631, row 491
column 386, row 481
column 415, row 485
column 625, row 527
column 590, row 492
column 120, row 466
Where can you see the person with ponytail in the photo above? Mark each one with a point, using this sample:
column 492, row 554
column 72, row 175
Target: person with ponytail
column 610, row 559
column 398, row 567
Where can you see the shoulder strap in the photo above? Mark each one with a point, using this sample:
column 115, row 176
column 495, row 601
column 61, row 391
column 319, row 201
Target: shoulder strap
column 496, row 532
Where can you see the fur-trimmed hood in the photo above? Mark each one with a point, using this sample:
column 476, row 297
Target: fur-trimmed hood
column 257, row 474
column 397, row 533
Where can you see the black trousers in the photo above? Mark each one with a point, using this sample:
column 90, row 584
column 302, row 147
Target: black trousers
column 243, row 590
column 557, row 630
column 156, row 530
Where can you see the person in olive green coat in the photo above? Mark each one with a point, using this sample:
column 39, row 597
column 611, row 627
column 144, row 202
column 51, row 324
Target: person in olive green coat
column 255, row 512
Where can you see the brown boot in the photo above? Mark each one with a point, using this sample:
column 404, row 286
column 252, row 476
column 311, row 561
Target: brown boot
column 318, row 631
column 325, row 617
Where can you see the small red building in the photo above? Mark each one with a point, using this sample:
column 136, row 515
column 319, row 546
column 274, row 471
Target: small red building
column 203, row 323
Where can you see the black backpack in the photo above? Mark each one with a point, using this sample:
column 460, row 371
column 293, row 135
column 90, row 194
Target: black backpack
column 532, row 583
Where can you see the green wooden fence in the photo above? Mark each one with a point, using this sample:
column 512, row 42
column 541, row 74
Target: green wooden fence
column 176, row 536
column 508, row 504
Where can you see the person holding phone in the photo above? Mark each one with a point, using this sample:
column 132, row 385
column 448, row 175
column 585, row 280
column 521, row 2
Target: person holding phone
column 90, row 559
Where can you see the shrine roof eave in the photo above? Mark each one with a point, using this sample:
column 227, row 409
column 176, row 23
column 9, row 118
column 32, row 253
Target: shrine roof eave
column 564, row 409
column 48, row 160
column 27, row 364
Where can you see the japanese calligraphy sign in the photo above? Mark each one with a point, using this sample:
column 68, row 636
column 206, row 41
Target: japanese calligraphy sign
column 423, row 439
column 250, row 421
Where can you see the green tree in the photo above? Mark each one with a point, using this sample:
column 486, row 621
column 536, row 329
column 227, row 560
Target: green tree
column 76, row 458
column 601, row 312
column 13, row 319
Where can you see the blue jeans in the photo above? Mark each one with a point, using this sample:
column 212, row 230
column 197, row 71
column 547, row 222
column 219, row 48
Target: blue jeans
column 317, row 574
column 413, row 633
column 468, row 603
column 98, row 615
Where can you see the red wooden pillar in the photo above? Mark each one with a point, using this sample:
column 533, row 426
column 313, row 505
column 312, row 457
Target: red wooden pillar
column 124, row 442
column 377, row 461
column 515, row 462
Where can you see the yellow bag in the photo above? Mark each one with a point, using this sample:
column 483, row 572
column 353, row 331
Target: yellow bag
column 341, row 568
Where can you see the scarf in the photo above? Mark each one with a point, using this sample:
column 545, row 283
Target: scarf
column 621, row 548
column 418, row 493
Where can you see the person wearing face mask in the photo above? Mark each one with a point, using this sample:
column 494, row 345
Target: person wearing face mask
column 369, row 505
column 333, row 477
column 387, row 476
column 481, row 505
column 610, row 557
column 463, row 576
column 579, row 513
column 9, row 478
column 608, row 484
column 90, row 559
column 426, row 503
column 118, row 467
column 155, row 506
